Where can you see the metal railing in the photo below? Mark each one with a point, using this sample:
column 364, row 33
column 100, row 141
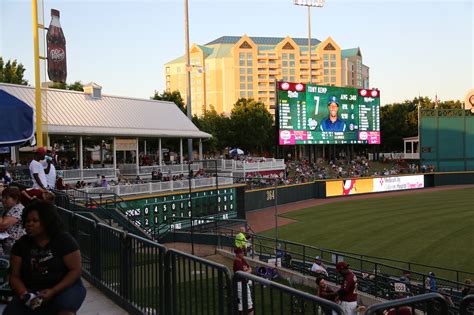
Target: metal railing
column 374, row 278
column 157, row 187
column 430, row 304
column 258, row 164
column 88, row 173
column 467, row 305
column 197, row 285
column 132, row 169
column 267, row 297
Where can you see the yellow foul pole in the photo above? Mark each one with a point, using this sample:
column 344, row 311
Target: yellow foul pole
column 38, row 110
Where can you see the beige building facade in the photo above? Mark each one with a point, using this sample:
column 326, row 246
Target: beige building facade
column 232, row 67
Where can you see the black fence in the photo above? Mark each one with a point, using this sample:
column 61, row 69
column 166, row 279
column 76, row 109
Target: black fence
column 387, row 281
column 467, row 305
column 429, row 304
column 267, row 297
column 143, row 277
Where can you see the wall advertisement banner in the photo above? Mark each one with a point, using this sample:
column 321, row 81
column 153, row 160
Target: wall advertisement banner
column 398, row 183
column 349, row 187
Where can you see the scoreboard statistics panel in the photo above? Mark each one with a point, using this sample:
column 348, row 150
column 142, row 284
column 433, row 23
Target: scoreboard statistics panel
column 175, row 209
column 316, row 114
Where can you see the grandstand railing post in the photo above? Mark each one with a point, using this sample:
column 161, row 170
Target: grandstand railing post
column 304, row 257
column 126, row 266
column 167, row 303
column 95, row 259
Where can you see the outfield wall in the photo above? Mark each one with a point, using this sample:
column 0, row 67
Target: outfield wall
column 264, row 198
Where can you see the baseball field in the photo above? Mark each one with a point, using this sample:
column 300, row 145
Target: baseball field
column 428, row 227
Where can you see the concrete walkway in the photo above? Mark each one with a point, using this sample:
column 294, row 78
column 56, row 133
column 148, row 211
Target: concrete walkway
column 97, row 303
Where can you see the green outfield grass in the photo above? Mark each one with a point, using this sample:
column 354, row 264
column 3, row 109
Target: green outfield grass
column 434, row 228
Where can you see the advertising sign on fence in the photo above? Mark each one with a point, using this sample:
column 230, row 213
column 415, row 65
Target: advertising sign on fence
column 398, row 183
column 370, row 185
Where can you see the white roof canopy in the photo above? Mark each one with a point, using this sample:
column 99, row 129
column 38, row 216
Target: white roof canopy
column 77, row 113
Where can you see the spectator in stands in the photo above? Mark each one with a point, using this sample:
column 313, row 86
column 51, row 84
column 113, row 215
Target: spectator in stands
column 29, row 195
column 348, row 291
column 11, row 227
column 240, row 264
column 104, row 183
column 98, row 181
column 325, row 292
column 430, row 282
column 37, row 173
column 318, row 266
column 47, row 263
column 468, row 288
column 50, row 172
column 241, row 241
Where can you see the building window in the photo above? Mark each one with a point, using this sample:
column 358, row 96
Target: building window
column 292, row 79
column 333, row 79
column 326, row 71
column 250, row 86
column 250, row 79
column 326, row 64
column 250, row 94
column 242, row 63
column 249, row 71
column 284, row 64
column 333, row 56
column 292, row 56
column 292, row 71
column 242, row 78
column 284, row 56
column 284, row 71
column 333, row 64
column 249, row 62
column 242, row 70
column 178, row 69
column 249, row 56
column 242, row 86
column 167, row 70
column 326, row 79
column 326, row 57
column 285, row 78
column 292, row 63
column 242, row 94
column 333, row 71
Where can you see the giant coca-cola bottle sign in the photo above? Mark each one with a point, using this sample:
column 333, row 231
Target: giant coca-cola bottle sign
column 57, row 67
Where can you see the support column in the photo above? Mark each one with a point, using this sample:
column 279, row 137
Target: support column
column 411, row 142
column 180, row 150
column 200, row 149
column 144, row 147
column 13, row 155
column 115, row 155
column 81, row 156
column 160, row 154
column 137, row 158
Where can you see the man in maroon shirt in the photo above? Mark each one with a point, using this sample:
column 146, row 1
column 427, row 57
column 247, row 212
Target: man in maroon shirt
column 240, row 264
column 28, row 195
column 348, row 291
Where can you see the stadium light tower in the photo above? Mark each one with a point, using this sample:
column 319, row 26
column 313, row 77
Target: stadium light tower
column 188, row 77
column 309, row 4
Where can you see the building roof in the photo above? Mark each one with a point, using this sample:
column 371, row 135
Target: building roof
column 262, row 40
column 77, row 113
column 345, row 53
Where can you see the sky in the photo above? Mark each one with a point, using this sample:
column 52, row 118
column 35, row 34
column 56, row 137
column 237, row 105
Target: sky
column 413, row 47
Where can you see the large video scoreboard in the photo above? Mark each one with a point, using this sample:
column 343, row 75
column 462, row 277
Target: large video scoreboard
column 315, row 114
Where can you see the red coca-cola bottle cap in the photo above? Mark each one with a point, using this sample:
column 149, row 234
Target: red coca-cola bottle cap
column 55, row 12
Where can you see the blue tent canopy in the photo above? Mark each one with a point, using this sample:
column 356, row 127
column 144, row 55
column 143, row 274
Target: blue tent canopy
column 16, row 120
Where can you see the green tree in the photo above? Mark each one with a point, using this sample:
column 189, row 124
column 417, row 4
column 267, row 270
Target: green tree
column 252, row 126
column 218, row 125
column 12, row 72
column 76, row 86
column 174, row 97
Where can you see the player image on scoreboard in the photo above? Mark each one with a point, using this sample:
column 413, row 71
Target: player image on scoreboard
column 333, row 122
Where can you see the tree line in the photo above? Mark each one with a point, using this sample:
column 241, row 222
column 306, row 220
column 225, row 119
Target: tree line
column 250, row 125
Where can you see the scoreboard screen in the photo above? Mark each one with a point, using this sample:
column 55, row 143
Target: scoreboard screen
column 316, row 114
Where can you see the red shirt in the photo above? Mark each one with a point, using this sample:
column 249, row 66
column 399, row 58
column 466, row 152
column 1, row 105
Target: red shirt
column 328, row 294
column 33, row 192
column 239, row 264
column 348, row 290
column 401, row 311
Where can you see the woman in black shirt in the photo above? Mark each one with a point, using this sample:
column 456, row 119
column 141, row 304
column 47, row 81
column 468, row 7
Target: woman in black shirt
column 46, row 266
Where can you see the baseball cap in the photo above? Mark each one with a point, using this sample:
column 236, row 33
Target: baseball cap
column 341, row 266
column 333, row 99
column 41, row 150
column 318, row 258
